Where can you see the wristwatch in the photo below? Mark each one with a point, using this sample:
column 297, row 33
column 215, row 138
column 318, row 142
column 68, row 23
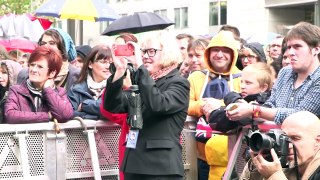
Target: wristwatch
column 256, row 111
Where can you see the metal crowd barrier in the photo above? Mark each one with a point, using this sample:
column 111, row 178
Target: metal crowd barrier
column 87, row 150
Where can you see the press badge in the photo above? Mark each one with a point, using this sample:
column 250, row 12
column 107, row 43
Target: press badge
column 132, row 139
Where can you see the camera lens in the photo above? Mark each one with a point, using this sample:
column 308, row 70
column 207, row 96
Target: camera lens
column 259, row 142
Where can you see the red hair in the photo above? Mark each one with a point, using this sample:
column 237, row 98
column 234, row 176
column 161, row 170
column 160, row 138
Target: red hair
column 52, row 56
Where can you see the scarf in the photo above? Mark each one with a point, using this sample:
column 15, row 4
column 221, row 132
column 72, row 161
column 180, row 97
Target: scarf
column 96, row 87
column 36, row 94
column 58, row 81
column 163, row 72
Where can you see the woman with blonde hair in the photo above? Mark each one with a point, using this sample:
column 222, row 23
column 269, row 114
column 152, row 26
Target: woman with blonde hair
column 164, row 104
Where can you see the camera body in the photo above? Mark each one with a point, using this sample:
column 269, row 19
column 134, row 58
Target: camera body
column 276, row 139
column 134, row 119
column 112, row 69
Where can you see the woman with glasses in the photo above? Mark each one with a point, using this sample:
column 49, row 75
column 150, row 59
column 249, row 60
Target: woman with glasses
column 155, row 152
column 121, row 119
column 252, row 53
column 60, row 40
column 85, row 95
column 38, row 99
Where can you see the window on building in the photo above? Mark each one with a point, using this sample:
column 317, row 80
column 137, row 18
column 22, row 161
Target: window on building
column 181, row 18
column 162, row 12
column 217, row 12
column 104, row 25
column 58, row 24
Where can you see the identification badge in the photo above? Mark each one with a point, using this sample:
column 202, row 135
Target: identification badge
column 132, row 139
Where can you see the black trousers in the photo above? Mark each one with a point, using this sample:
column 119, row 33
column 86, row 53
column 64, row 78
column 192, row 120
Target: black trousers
column 131, row 176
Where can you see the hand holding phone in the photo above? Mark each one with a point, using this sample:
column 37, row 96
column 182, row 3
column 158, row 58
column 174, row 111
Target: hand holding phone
column 231, row 107
column 124, row 50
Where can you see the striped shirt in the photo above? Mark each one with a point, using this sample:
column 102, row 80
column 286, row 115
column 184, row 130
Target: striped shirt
column 287, row 99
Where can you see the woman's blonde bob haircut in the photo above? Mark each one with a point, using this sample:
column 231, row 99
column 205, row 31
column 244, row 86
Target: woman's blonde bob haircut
column 170, row 52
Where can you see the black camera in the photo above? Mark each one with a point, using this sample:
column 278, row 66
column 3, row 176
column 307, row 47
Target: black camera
column 112, row 69
column 134, row 119
column 275, row 138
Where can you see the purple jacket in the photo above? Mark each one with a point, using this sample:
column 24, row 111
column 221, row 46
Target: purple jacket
column 20, row 109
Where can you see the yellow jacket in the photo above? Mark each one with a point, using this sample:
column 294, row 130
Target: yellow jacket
column 217, row 156
column 197, row 78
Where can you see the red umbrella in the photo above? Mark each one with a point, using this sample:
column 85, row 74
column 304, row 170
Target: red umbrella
column 45, row 23
column 20, row 44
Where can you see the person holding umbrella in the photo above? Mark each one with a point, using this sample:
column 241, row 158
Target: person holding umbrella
column 156, row 152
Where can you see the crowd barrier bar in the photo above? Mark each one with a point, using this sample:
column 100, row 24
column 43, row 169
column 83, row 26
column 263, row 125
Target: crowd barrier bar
column 85, row 149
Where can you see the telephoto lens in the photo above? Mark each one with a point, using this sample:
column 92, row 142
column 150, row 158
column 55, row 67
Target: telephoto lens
column 276, row 139
column 259, row 142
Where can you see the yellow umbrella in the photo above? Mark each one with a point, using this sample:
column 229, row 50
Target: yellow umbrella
column 90, row 10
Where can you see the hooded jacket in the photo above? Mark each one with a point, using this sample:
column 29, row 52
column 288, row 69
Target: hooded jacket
column 13, row 70
column 197, row 78
column 197, row 83
column 257, row 48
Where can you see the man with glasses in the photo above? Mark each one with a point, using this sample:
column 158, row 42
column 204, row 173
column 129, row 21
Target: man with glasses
column 184, row 41
column 207, row 90
column 275, row 47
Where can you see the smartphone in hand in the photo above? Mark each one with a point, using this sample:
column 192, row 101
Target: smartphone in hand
column 123, row 50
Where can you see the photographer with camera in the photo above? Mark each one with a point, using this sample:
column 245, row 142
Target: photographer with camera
column 297, row 87
column 155, row 151
column 303, row 130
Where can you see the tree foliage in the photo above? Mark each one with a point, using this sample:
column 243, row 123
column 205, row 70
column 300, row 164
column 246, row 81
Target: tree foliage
column 19, row 6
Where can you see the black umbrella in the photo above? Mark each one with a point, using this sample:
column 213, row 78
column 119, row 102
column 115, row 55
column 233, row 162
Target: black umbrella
column 137, row 23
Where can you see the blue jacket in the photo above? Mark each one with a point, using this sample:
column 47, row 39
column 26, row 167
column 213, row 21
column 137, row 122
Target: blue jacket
column 80, row 93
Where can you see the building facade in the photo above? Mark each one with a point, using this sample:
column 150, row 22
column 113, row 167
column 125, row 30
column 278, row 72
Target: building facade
column 205, row 17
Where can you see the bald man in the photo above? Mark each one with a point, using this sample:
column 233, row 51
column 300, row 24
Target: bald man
column 303, row 128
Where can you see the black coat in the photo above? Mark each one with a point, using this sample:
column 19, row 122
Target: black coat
column 218, row 119
column 164, row 110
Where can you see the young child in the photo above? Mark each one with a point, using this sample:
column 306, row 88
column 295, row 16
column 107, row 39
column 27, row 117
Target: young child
column 256, row 84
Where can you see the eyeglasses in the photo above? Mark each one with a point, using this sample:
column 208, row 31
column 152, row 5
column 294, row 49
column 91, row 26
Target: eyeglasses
column 151, row 52
column 275, row 45
column 51, row 43
column 37, row 66
column 249, row 57
column 104, row 61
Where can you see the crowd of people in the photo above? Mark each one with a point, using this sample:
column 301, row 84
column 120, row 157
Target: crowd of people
column 177, row 77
